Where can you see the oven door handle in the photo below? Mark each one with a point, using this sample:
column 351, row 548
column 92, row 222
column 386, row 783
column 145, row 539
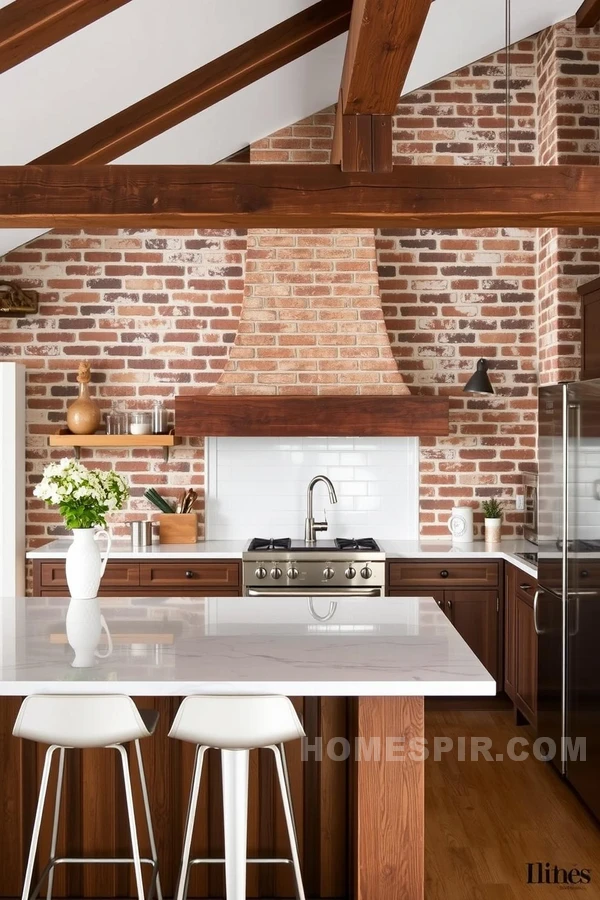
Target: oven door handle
column 314, row 592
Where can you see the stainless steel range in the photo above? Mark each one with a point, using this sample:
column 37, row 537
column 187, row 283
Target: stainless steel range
column 339, row 568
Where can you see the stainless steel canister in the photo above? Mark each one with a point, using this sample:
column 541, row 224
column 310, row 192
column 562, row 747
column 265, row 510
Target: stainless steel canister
column 141, row 533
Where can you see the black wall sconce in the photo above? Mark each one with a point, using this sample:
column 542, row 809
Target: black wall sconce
column 479, row 382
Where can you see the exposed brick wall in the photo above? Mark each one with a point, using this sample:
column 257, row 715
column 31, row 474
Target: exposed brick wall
column 155, row 312
column 568, row 72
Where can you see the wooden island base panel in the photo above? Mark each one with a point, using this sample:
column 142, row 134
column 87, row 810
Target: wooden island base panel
column 357, row 783
column 388, row 821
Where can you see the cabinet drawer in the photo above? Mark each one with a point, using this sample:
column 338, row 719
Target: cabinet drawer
column 443, row 573
column 218, row 574
column 526, row 586
column 117, row 574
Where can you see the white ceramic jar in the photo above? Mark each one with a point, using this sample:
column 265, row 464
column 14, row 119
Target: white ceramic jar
column 460, row 525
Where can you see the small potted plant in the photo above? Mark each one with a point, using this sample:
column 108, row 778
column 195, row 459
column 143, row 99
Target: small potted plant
column 84, row 497
column 492, row 511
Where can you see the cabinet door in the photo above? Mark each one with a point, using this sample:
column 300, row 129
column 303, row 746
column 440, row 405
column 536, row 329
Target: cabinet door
column 510, row 625
column 474, row 614
column 526, row 657
column 590, row 328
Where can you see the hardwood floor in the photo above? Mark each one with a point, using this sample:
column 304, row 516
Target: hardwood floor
column 486, row 820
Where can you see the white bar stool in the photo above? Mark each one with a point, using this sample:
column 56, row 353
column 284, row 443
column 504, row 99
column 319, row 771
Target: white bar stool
column 235, row 725
column 102, row 720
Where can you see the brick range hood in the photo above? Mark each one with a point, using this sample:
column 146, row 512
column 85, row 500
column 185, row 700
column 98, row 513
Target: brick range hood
column 312, row 355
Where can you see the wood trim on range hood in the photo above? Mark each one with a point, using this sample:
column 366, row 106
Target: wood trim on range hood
column 282, row 415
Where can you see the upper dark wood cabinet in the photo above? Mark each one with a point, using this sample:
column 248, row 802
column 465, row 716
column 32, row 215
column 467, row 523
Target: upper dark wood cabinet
column 590, row 329
column 277, row 415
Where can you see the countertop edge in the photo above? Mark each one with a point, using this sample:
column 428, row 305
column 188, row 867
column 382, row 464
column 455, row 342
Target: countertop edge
column 179, row 551
column 288, row 688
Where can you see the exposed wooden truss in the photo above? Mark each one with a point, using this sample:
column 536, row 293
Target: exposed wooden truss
column 207, row 85
column 588, row 14
column 382, row 39
column 29, row 26
column 305, row 196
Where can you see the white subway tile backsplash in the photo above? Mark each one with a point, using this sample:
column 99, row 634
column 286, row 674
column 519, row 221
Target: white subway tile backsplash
column 257, row 486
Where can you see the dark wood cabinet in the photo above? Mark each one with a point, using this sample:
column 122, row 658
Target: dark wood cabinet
column 442, row 573
column 468, row 592
column 475, row 616
column 521, row 643
column 510, row 621
column 163, row 578
column 590, row 329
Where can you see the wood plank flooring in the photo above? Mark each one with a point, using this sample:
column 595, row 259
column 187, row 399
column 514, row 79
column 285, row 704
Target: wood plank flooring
column 486, row 820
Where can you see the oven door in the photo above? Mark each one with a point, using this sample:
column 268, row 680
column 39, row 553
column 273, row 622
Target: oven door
column 315, row 592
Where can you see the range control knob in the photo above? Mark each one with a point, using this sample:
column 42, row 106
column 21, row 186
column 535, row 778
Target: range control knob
column 276, row 572
column 293, row 573
column 261, row 572
column 366, row 572
column 328, row 573
column 350, row 572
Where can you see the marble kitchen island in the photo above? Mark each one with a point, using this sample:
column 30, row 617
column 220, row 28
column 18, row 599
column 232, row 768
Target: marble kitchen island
column 383, row 654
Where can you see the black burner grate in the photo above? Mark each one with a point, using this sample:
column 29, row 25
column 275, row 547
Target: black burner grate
column 270, row 544
column 357, row 544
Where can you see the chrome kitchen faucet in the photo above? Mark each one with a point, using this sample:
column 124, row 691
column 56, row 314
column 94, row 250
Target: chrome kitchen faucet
column 310, row 526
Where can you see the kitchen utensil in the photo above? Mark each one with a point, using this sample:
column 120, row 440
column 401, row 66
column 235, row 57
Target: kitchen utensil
column 141, row 533
column 460, row 525
column 190, row 498
column 154, row 497
column 181, row 502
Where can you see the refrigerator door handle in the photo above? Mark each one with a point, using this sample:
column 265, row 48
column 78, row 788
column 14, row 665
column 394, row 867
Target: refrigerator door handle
column 535, row 612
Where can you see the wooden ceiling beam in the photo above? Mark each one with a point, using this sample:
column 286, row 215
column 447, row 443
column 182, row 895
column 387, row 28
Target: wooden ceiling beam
column 207, row 85
column 29, row 26
column 382, row 40
column 304, row 196
column 588, row 14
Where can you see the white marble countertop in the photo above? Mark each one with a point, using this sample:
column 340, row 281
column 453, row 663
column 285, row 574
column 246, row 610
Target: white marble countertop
column 394, row 646
column 233, row 550
column 506, row 550
column 122, row 549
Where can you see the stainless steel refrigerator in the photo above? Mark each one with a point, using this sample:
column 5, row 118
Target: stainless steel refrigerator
column 567, row 604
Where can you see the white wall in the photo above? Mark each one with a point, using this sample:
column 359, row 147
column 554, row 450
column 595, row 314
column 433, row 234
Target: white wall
column 12, row 479
column 256, row 487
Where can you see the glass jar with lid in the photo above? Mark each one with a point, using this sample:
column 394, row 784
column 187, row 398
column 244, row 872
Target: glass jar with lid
column 140, row 422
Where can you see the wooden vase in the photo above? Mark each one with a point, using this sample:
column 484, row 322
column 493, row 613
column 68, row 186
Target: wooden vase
column 83, row 415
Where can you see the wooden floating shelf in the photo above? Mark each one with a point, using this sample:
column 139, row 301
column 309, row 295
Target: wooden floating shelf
column 284, row 415
column 118, row 441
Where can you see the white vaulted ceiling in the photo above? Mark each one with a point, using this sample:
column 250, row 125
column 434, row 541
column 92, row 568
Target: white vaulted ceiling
column 146, row 44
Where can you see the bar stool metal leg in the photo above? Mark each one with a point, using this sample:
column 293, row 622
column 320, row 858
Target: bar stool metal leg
column 137, row 863
column 288, row 786
column 155, row 872
column 289, row 817
column 59, row 783
column 234, row 765
column 38, row 821
column 189, row 824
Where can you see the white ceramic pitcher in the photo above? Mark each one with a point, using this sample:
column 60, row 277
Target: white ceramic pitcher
column 84, row 625
column 85, row 564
